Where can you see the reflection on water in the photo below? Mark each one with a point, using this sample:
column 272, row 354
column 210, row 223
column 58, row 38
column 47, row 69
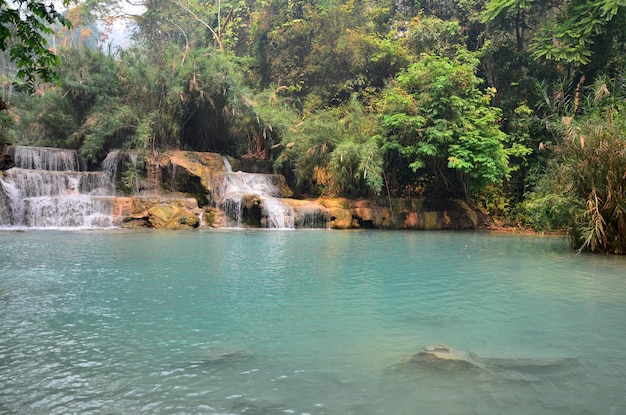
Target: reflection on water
column 307, row 322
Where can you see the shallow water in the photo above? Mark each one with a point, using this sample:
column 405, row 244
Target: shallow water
column 305, row 322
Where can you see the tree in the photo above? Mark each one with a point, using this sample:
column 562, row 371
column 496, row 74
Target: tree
column 435, row 117
column 24, row 25
column 324, row 51
column 85, row 111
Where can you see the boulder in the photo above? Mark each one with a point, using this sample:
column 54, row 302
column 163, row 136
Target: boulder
column 172, row 217
column 6, row 161
column 156, row 212
column 370, row 216
column 339, row 211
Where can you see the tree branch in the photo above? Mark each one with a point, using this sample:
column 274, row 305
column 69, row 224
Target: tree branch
column 217, row 38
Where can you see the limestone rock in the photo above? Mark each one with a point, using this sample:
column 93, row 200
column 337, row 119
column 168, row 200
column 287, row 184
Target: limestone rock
column 190, row 172
column 340, row 213
column 6, row 161
column 416, row 214
column 371, row 216
column 172, row 217
column 158, row 212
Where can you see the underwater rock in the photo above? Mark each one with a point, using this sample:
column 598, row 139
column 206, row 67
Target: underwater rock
column 523, row 368
column 219, row 361
column 440, row 354
column 223, row 358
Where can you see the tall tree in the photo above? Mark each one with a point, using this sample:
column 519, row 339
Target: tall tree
column 437, row 118
column 324, row 52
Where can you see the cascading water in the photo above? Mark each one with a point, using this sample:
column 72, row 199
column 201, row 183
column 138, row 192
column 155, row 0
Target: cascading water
column 256, row 200
column 252, row 197
column 312, row 218
column 45, row 158
column 48, row 187
column 118, row 161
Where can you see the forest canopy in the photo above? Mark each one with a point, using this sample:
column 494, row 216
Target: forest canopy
column 514, row 105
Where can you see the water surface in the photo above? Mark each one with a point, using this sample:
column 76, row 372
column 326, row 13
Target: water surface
column 305, row 322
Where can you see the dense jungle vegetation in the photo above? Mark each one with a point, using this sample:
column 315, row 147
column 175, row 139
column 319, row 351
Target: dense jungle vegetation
column 518, row 106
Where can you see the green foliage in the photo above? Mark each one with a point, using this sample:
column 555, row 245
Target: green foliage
column 571, row 36
column 356, row 163
column 6, row 123
column 213, row 102
column 431, row 35
column 86, row 111
column 197, row 103
column 334, row 151
column 331, row 50
column 24, row 25
column 584, row 189
column 435, row 116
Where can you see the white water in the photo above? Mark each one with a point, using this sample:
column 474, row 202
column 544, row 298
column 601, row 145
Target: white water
column 265, row 188
column 117, row 161
column 46, row 158
column 49, row 188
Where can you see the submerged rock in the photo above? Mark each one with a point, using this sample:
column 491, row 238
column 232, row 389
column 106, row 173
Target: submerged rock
column 223, row 358
column 440, row 356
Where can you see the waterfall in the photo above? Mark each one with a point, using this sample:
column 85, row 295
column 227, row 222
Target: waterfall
column 111, row 165
column 227, row 166
column 49, row 188
column 253, row 199
column 45, row 158
column 312, row 218
column 117, row 162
